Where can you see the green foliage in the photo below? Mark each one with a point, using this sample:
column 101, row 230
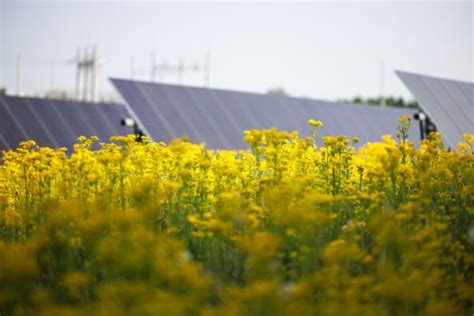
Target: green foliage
column 277, row 91
column 387, row 101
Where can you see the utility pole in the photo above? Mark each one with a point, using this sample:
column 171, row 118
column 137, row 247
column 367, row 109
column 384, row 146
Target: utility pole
column 53, row 75
column 93, row 68
column 85, row 68
column 133, row 67
column 99, row 66
column 382, row 83
column 18, row 75
column 153, row 68
column 87, row 71
column 78, row 73
column 207, row 69
column 180, row 70
column 99, row 73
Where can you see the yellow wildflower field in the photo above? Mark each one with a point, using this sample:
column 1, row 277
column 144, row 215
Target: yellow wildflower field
column 285, row 228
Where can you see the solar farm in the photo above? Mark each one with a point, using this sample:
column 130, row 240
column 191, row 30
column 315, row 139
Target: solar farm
column 164, row 112
column 272, row 197
column 172, row 198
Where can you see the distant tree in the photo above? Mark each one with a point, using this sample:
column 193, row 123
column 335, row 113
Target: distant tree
column 57, row 94
column 277, row 91
column 3, row 91
column 357, row 100
column 388, row 101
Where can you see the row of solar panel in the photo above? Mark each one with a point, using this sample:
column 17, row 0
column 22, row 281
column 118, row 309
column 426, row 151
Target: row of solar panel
column 219, row 117
column 57, row 123
column 449, row 103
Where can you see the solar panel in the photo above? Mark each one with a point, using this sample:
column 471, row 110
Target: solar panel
column 112, row 115
column 366, row 122
column 214, row 108
column 150, row 122
column 449, row 104
column 219, row 117
column 57, row 123
column 58, row 126
column 11, row 130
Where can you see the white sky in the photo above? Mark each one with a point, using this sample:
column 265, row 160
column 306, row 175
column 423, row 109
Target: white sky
column 320, row 50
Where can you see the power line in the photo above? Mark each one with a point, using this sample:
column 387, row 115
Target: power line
column 157, row 71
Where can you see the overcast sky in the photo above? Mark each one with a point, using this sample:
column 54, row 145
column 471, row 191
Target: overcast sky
column 320, row 50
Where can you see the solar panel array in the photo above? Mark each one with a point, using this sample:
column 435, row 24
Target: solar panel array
column 449, row 104
column 219, row 117
column 57, row 123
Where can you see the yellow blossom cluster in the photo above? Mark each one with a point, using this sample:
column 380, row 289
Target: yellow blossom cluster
column 285, row 228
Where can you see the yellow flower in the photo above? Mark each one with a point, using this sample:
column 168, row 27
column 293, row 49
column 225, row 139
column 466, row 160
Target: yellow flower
column 315, row 123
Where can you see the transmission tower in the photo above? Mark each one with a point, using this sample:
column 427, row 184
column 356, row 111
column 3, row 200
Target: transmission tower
column 88, row 65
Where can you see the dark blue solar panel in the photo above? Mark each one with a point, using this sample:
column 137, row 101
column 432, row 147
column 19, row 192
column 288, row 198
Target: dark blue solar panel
column 240, row 111
column 191, row 121
column 76, row 117
column 3, row 143
column 362, row 119
column 37, row 127
column 310, row 110
column 27, row 119
column 57, row 123
column 467, row 87
column 449, row 104
column 268, row 112
column 167, row 109
column 388, row 118
column 212, row 132
column 102, row 123
column 10, row 128
column 113, row 114
column 220, row 117
column 292, row 114
column 201, row 113
column 97, row 123
column 446, row 102
column 149, row 120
